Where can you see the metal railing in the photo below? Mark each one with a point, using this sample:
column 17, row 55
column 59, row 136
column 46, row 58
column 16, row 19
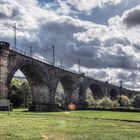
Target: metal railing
column 42, row 60
column 54, row 65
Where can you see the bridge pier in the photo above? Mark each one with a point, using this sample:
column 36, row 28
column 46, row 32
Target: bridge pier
column 43, row 99
column 82, row 104
column 4, row 53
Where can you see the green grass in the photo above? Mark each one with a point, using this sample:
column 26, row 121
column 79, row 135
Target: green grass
column 78, row 125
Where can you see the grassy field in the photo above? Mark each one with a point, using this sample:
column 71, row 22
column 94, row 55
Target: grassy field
column 78, row 125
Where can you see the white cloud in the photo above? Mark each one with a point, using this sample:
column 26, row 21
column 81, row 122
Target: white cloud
column 87, row 5
column 101, row 48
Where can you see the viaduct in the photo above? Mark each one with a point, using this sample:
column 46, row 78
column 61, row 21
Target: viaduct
column 43, row 78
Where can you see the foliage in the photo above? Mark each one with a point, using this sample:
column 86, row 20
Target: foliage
column 115, row 104
column 15, row 99
column 123, row 101
column 90, row 99
column 15, row 83
column 19, row 92
column 59, row 98
column 26, row 93
column 105, row 102
column 136, row 101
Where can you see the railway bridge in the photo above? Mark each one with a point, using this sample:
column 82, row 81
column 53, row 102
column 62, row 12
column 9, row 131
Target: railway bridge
column 43, row 78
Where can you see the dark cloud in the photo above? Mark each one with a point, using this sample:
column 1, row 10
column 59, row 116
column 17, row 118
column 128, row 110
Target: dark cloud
column 131, row 18
column 129, row 76
column 99, row 47
column 9, row 12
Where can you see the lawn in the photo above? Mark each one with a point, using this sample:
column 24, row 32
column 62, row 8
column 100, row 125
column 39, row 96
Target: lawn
column 76, row 125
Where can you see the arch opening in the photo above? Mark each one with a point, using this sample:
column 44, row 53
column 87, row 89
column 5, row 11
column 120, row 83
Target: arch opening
column 37, row 82
column 19, row 90
column 69, row 87
column 96, row 91
column 60, row 95
column 89, row 97
column 113, row 94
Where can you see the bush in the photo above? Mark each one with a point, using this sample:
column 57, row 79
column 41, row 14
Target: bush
column 136, row 101
column 123, row 101
column 105, row 102
column 91, row 102
column 115, row 104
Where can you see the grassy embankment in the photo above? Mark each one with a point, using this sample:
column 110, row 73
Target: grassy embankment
column 78, row 125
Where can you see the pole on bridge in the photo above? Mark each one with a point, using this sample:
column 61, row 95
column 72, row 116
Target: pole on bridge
column 121, row 84
column 61, row 63
column 53, row 54
column 79, row 63
column 31, row 50
column 15, row 35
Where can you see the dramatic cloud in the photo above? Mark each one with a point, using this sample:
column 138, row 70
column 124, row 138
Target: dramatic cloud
column 104, row 50
column 85, row 5
column 131, row 17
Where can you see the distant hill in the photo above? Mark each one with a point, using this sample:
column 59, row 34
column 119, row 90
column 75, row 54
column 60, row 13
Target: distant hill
column 20, row 78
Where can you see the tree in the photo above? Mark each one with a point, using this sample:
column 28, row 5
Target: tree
column 26, row 93
column 123, row 101
column 136, row 101
column 105, row 102
column 19, row 93
column 60, row 98
column 13, row 90
column 89, row 98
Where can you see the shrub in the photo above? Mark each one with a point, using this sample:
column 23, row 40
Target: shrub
column 123, row 101
column 90, row 102
column 115, row 104
column 89, row 98
column 105, row 102
column 136, row 101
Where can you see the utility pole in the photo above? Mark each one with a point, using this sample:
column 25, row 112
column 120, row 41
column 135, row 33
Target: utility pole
column 61, row 63
column 31, row 50
column 121, row 84
column 79, row 63
column 15, row 35
column 53, row 54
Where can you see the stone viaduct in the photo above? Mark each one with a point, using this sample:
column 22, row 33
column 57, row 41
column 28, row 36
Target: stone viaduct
column 43, row 78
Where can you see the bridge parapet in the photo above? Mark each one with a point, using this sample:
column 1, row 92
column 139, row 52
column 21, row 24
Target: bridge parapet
column 4, row 44
column 42, row 60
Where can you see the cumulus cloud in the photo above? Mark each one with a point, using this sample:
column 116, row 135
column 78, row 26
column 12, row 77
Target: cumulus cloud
column 85, row 5
column 104, row 50
column 131, row 17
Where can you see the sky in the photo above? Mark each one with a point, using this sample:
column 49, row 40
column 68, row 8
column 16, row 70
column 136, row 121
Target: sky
column 103, row 34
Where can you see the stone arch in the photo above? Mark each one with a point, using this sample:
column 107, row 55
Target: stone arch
column 96, row 91
column 89, row 97
column 59, row 94
column 23, row 85
column 32, row 72
column 113, row 94
column 70, row 87
column 36, row 79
